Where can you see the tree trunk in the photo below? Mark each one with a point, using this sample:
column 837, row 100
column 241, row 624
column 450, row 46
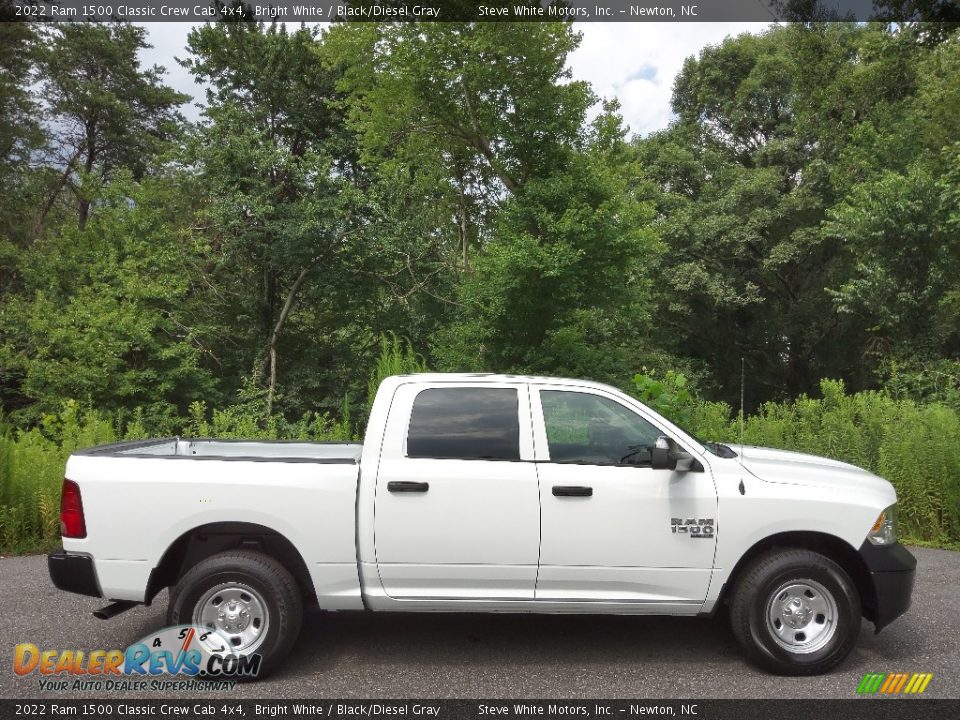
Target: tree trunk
column 52, row 198
column 463, row 215
column 84, row 209
column 482, row 143
column 83, row 212
column 272, row 354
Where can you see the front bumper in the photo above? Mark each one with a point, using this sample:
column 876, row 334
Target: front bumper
column 73, row 572
column 892, row 571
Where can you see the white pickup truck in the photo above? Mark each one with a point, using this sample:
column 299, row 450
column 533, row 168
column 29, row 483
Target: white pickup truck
column 489, row 493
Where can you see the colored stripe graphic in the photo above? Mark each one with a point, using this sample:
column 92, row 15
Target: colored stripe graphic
column 927, row 677
column 894, row 683
column 870, row 683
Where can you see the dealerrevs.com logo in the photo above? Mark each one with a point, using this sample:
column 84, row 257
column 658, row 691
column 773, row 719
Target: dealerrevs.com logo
column 200, row 657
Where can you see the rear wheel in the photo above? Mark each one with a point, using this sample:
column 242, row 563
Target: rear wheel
column 795, row 612
column 246, row 597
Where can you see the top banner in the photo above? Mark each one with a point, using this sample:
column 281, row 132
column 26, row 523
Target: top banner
column 192, row 11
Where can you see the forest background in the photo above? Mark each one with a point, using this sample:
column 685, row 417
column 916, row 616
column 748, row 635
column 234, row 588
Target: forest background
column 369, row 199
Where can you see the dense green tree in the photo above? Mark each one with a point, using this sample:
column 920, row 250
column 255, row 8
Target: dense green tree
column 899, row 219
column 773, row 131
column 562, row 285
column 20, row 132
column 105, row 314
column 442, row 183
column 21, row 137
column 104, row 111
column 281, row 182
column 539, row 210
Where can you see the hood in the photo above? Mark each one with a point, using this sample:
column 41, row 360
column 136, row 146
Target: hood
column 785, row 466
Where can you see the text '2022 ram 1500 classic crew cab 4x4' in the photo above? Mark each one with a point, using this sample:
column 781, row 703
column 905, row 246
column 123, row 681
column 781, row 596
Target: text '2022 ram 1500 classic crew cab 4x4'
column 489, row 493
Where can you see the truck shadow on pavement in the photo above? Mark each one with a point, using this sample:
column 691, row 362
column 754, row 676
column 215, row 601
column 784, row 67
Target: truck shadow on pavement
column 575, row 641
column 338, row 646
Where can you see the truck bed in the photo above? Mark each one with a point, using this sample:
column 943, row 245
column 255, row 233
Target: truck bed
column 150, row 493
column 247, row 450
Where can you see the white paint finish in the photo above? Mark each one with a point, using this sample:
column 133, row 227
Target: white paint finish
column 338, row 584
column 627, row 521
column 618, row 543
column 474, row 533
column 655, row 585
column 453, row 581
column 591, row 545
column 823, row 500
column 135, row 508
column 785, row 466
column 475, row 536
column 247, row 449
column 475, row 512
column 377, row 600
column 123, row 579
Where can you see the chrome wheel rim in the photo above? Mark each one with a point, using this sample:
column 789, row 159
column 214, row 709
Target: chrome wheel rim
column 802, row 616
column 236, row 612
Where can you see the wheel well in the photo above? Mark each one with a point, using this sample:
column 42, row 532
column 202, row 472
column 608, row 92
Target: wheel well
column 841, row 552
column 206, row 540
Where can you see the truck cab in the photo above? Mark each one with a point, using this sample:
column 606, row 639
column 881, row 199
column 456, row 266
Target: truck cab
column 514, row 490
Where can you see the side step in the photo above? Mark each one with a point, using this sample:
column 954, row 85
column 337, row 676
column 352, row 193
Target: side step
column 113, row 609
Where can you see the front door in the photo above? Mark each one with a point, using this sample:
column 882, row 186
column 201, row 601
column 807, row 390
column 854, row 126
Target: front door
column 457, row 508
column 608, row 531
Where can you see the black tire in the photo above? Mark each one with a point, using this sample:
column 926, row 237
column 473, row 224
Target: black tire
column 272, row 584
column 795, row 612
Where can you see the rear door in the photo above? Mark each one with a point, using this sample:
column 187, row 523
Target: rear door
column 457, row 507
column 609, row 521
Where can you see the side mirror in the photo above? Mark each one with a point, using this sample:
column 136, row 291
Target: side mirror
column 684, row 461
column 667, row 455
column 662, row 459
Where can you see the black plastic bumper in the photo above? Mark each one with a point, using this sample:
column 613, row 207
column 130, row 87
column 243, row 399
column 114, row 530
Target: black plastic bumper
column 73, row 573
column 892, row 571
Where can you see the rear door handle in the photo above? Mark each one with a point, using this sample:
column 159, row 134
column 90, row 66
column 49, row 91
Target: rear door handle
column 403, row 486
column 572, row 491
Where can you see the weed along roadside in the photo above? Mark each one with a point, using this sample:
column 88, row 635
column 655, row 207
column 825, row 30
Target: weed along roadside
column 870, row 429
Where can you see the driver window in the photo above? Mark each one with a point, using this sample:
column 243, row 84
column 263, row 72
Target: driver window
column 590, row 429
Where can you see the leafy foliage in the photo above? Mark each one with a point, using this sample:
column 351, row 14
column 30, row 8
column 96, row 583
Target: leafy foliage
column 453, row 185
column 101, row 317
column 108, row 112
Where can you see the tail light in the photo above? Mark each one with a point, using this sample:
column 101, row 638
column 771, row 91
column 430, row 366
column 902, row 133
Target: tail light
column 72, row 524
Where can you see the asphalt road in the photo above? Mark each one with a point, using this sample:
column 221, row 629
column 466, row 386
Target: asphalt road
column 369, row 655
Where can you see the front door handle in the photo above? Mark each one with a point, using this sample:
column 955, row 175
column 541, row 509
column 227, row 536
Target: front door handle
column 403, row 486
column 572, row 491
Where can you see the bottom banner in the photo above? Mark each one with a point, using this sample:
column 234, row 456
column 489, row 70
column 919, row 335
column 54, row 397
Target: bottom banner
column 867, row 709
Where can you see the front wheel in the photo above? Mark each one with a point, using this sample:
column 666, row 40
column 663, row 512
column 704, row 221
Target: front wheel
column 795, row 612
column 246, row 597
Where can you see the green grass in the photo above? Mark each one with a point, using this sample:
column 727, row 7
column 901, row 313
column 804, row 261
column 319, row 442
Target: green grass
column 915, row 446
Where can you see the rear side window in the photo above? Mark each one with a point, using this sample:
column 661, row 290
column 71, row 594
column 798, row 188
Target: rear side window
column 465, row 423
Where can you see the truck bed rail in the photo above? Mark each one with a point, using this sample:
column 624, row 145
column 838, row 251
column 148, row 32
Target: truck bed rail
column 177, row 448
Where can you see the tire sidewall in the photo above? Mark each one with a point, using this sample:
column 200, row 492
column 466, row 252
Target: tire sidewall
column 184, row 602
column 848, row 618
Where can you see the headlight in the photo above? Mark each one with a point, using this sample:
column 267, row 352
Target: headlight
column 884, row 530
